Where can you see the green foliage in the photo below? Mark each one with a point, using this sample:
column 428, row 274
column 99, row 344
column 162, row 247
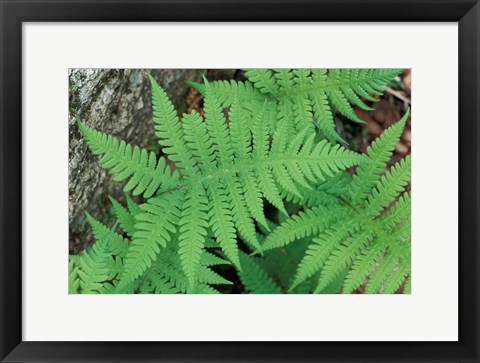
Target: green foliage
column 255, row 279
column 366, row 235
column 101, row 269
column 263, row 190
column 90, row 271
column 305, row 97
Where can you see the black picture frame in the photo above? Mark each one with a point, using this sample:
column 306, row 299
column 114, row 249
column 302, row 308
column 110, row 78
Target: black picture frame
column 15, row 12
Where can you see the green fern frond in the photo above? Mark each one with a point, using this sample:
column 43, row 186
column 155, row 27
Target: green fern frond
column 389, row 187
column 216, row 173
column 336, row 284
column 380, row 153
column 118, row 245
column 400, row 213
column 306, row 223
column 125, row 218
column 154, row 229
column 347, row 233
column 144, row 173
column 177, row 282
column 263, row 80
column 398, row 276
column 249, row 97
column 341, row 259
column 266, row 176
column 208, row 276
column 320, row 250
column 363, row 266
column 241, row 142
column 306, row 96
column 198, row 140
column 381, row 273
column 133, row 207
column 255, row 279
column 281, row 263
column 209, row 259
column 168, row 129
column 242, row 218
column 323, row 192
column 73, row 279
column 93, row 269
column 169, row 266
column 193, row 229
column 158, row 284
column 222, row 223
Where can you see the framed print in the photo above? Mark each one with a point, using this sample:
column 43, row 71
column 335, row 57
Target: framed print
column 251, row 181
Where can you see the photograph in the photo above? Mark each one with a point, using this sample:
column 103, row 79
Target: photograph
column 260, row 150
column 239, row 181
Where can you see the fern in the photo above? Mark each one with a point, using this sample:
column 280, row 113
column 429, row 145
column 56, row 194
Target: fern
column 89, row 272
column 100, row 269
column 217, row 184
column 255, row 279
column 73, row 279
column 261, row 186
column 307, row 97
column 361, row 236
column 126, row 217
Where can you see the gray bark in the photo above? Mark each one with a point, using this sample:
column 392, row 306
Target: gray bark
column 116, row 102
